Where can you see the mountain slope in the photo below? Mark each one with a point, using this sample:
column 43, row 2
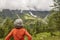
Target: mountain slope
column 12, row 13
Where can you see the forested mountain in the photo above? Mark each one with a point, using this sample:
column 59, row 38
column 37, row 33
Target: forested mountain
column 12, row 13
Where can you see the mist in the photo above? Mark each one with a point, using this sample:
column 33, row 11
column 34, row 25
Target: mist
column 26, row 4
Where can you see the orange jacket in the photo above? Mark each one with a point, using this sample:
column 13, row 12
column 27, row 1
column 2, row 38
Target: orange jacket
column 18, row 34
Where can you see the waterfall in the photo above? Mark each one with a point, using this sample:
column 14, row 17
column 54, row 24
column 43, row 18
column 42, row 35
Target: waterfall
column 32, row 14
column 21, row 11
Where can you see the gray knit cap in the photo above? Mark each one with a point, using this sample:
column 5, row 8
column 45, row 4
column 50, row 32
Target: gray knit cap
column 18, row 22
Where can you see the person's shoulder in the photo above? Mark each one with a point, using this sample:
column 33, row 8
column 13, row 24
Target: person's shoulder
column 13, row 29
column 24, row 29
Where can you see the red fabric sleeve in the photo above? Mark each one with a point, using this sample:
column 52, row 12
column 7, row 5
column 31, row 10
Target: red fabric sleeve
column 9, row 35
column 28, row 35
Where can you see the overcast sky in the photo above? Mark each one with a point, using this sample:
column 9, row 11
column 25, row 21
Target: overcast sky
column 26, row 4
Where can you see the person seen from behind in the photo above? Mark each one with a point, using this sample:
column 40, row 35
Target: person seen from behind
column 18, row 32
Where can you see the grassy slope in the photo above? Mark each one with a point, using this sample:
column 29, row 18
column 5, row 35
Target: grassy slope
column 47, row 36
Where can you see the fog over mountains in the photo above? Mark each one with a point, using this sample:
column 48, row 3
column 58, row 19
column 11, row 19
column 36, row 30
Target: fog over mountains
column 26, row 4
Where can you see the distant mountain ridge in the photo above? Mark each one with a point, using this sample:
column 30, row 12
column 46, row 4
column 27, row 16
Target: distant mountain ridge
column 12, row 13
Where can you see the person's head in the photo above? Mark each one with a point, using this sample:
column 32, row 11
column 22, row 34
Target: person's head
column 18, row 23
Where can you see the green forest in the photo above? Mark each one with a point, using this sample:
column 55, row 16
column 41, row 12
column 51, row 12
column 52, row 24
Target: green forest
column 47, row 28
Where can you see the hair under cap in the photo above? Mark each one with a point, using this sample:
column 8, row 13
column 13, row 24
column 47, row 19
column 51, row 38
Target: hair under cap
column 18, row 22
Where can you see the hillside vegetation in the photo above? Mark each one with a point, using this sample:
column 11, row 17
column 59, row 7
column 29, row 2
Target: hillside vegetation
column 40, row 29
